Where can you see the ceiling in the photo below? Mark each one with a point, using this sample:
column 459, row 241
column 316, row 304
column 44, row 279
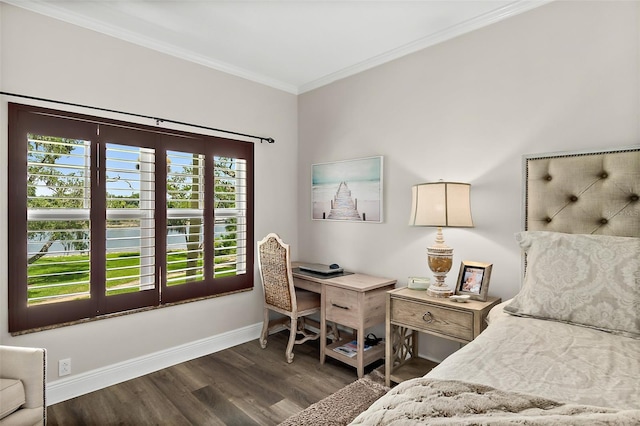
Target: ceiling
column 294, row 45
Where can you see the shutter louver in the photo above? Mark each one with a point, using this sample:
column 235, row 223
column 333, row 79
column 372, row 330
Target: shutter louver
column 130, row 226
column 58, row 225
column 230, row 230
column 185, row 214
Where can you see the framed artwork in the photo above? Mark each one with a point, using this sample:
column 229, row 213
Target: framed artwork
column 348, row 190
column 473, row 279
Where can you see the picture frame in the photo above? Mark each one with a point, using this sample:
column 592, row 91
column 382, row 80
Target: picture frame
column 348, row 190
column 473, row 279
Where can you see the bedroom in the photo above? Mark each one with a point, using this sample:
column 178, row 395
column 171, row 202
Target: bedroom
column 564, row 76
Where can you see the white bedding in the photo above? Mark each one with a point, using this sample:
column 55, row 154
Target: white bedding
column 523, row 371
column 559, row 361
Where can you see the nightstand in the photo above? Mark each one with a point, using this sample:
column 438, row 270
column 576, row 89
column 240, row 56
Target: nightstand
column 410, row 312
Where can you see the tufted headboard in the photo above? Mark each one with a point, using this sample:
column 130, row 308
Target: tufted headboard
column 595, row 192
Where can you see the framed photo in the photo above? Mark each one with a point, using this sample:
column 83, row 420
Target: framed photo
column 349, row 190
column 473, row 279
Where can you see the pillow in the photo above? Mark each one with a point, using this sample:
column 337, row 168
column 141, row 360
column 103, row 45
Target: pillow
column 587, row 280
column 11, row 396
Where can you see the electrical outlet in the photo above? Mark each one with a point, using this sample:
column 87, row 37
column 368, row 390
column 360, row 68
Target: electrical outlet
column 64, row 367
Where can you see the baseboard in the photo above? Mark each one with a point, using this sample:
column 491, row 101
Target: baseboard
column 83, row 383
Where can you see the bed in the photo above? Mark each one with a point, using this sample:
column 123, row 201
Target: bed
column 566, row 348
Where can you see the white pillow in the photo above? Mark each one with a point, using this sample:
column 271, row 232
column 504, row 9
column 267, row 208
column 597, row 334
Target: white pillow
column 588, row 280
column 11, row 396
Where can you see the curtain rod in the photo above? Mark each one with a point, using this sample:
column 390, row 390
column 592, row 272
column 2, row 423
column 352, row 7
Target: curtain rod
column 157, row 120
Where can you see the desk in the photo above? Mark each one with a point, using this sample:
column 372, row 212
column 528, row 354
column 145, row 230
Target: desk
column 356, row 301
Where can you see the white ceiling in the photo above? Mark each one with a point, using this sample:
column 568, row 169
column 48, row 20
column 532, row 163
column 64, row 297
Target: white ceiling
column 294, row 45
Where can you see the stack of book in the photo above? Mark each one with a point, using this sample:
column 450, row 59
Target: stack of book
column 350, row 349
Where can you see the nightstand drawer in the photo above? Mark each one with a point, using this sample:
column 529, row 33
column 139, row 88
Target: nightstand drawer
column 342, row 306
column 429, row 317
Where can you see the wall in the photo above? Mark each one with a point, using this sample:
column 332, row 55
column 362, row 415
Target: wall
column 564, row 76
column 51, row 59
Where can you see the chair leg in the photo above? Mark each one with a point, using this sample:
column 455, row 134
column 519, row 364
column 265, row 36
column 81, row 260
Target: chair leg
column 292, row 340
column 265, row 329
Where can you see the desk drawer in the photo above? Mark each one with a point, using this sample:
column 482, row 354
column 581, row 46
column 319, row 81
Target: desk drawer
column 342, row 306
column 427, row 317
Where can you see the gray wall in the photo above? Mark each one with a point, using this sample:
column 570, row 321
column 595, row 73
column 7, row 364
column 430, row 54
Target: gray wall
column 51, row 59
column 564, row 76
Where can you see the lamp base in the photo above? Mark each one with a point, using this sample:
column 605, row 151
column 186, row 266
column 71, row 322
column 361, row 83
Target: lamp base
column 439, row 259
column 439, row 291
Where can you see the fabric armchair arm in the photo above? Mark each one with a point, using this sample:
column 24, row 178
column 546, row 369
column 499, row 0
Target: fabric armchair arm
column 29, row 366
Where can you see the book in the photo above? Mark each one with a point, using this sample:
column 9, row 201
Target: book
column 350, row 349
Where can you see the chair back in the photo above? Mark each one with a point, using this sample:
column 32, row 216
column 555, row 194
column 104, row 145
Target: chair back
column 275, row 271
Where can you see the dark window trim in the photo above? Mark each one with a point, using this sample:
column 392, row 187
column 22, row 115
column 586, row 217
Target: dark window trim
column 23, row 318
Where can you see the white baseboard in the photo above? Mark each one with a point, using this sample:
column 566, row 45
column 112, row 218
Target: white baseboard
column 83, row 383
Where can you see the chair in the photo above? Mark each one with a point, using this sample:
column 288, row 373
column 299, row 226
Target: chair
column 281, row 296
column 22, row 386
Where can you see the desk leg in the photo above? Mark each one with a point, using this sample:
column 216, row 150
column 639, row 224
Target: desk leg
column 323, row 325
column 360, row 355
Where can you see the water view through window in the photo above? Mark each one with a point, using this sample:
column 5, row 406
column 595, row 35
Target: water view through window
column 111, row 217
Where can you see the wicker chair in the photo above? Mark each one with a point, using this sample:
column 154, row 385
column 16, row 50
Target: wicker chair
column 281, row 296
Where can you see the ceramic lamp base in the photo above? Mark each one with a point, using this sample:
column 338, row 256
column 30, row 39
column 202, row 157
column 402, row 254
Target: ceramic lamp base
column 439, row 291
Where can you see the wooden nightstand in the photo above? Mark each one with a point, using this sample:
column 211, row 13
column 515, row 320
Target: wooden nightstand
column 412, row 311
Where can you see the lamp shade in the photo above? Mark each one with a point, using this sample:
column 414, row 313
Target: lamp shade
column 445, row 204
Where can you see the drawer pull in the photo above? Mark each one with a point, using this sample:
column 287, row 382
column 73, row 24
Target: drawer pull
column 338, row 306
column 428, row 317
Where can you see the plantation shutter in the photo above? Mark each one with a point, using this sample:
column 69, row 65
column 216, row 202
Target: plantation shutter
column 230, row 231
column 108, row 216
column 130, row 224
column 185, row 217
column 58, row 222
column 125, row 206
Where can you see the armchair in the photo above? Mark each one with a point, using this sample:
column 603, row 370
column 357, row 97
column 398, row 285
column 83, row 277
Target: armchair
column 22, row 386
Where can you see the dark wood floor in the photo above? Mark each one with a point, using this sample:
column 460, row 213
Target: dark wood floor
column 244, row 385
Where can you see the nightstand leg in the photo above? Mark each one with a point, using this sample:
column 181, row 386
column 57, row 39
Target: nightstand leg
column 402, row 345
column 388, row 353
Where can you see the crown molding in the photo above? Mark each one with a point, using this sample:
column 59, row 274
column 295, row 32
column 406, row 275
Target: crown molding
column 431, row 40
column 50, row 9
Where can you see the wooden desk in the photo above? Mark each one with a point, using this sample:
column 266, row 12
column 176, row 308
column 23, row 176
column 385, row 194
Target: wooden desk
column 356, row 301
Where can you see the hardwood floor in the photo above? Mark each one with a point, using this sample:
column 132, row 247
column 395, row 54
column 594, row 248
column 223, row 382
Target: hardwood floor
column 244, row 385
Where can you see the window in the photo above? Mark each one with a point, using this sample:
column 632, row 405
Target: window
column 107, row 216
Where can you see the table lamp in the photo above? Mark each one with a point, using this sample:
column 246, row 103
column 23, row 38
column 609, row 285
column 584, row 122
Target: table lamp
column 441, row 204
